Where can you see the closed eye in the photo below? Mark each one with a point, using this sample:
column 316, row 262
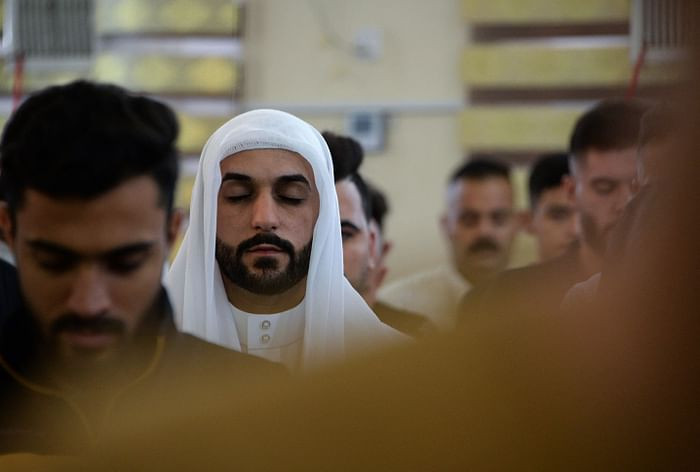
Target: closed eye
column 126, row 260
column 348, row 230
column 56, row 264
column 290, row 200
column 125, row 265
column 237, row 198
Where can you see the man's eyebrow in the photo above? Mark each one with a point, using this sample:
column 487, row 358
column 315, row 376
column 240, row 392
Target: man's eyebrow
column 287, row 179
column 560, row 206
column 604, row 179
column 41, row 245
column 128, row 249
column 236, row 177
column 120, row 251
column 348, row 224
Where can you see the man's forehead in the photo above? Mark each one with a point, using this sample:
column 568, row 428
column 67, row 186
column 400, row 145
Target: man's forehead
column 486, row 192
column 558, row 194
column 267, row 163
column 602, row 163
column 349, row 198
column 121, row 216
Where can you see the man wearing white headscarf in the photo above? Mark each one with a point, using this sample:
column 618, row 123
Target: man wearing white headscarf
column 260, row 269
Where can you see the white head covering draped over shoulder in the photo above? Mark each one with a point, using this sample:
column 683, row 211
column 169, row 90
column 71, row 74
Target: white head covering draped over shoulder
column 338, row 321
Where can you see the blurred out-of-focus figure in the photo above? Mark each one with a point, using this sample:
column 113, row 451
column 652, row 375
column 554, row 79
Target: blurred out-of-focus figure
column 552, row 216
column 479, row 225
column 658, row 144
column 603, row 159
column 362, row 239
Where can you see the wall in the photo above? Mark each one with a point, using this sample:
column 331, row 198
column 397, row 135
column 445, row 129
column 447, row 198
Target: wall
column 298, row 57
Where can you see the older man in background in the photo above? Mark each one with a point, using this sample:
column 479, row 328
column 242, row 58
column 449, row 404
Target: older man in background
column 479, row 226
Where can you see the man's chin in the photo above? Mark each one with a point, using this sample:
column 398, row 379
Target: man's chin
column 485, row 259
column 88, row 347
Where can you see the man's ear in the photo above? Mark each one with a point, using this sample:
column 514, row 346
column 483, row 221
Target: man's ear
column 373, row 249
column 387, row 246
column 444, row 225
column 6, row 227
column 174, row 225
column 526, row 218
column 570, row 187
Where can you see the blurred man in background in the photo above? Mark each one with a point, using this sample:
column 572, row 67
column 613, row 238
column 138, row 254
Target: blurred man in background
column 658, row 142
column 603, row 159
column 552, row 217
column 363, row 254
column 479, row 226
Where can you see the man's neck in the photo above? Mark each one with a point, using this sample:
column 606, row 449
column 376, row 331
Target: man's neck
column 258, row 304
column 476, row 278
column 590, row 260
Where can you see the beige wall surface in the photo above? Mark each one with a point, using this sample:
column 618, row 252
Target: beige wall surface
column 299, row 57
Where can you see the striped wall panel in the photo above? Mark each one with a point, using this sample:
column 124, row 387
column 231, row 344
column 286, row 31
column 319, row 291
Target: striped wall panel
column 512, row 129
column 542, row 11
column 210, row 17
column 528, row 65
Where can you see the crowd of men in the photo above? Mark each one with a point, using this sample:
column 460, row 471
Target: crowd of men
column 281, row 269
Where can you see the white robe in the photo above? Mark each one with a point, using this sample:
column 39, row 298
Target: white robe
column 337, row 320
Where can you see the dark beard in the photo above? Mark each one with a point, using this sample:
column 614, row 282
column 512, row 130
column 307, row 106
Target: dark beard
column 272, row 281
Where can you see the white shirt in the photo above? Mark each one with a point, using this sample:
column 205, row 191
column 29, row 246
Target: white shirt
column 276, row 337
column 5, row 254
column 435, row 293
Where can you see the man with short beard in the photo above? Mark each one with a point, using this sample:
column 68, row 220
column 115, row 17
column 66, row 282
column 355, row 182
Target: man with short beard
column 603, row 160
column 479, row 226
column 260, row 269
column 90, row 172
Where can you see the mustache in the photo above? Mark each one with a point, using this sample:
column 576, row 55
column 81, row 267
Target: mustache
column 265, row 238
column 484, row 244
column 71, row 322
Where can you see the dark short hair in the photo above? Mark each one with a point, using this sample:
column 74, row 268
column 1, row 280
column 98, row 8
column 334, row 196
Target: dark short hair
column 609, row 126
column 480, row 169
column 658, row 123
column 83, row 139
column 380, row 205
column 347, row 156
column 547, row 173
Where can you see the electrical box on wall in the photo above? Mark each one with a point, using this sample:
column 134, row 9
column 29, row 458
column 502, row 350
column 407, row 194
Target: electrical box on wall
column 368, row 128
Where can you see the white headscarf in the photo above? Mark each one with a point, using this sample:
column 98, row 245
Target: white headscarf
column 337, row 318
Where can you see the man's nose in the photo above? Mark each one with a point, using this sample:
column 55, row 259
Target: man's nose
column 89, row 295
column 626, row 195
column 265, row 216
column 486, row 226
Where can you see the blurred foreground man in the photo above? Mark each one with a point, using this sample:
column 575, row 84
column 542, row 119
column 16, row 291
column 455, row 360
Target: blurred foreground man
column 480, row 226
column 362, row 253
column 552, row 217
column 90, row 172
column 9, row 291
column 260, row 269
column 603, row 150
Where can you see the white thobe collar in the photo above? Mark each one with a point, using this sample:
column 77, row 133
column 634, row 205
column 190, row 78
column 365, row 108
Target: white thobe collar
column 277, row 337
